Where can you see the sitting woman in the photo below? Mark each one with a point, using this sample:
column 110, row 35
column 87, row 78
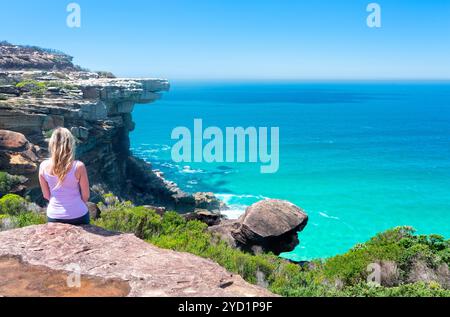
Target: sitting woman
column 64, row 181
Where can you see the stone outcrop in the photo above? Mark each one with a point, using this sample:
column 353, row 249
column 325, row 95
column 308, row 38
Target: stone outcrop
column 20, row 57
column 110, row 264
column 422, row 272
column 41, row 90
column 18, row 153
column 205, row 216
column 268, row 225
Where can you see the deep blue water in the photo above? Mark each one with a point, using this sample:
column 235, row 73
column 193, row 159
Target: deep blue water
column 358, row 157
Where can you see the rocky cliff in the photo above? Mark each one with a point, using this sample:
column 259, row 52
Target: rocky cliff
column 41, row 90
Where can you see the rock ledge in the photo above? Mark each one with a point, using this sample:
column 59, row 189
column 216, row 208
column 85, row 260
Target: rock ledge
column 149, row 270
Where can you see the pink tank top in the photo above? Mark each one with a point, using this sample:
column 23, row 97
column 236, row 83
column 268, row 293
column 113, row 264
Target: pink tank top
column 65, row 200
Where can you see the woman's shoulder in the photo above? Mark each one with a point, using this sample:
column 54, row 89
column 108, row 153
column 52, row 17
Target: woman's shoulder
column 43, row 166
column 79, row 164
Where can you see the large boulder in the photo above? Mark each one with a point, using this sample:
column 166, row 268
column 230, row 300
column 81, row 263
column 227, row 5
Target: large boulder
column 12, row 141
column 17, row 154
column 38, row 260
column 268, row 226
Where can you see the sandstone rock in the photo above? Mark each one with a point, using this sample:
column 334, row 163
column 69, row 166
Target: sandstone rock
column 223, row 231
column 80, row 133
column 9, row 90
column 52, row 122
column 207, row 201
column 421, row 272
column 94, row 211
column 17, row 154
column 106, row 259
column 206, row 216
column 21, row 279
column 12, row 141
column 389, row 274
column 270, row 225
column 22, row 57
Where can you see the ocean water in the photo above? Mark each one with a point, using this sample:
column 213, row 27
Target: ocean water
column 359, row 158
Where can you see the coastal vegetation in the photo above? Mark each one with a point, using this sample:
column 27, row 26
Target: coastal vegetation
column 8, row 182
column 17, row 212
column 39, row 88
column 342, row 275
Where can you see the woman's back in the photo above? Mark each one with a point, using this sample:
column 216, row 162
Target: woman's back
column 65, row 198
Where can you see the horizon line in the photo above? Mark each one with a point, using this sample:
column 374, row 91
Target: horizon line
column 299, row 79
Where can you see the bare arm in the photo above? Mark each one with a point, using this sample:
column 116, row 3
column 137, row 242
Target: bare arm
column 44, row 187
column 84, row 182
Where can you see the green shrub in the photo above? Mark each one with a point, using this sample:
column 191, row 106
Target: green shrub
column 13, row 205
column 21, row 220
column 8, row 182
column 399, row 245
column 351, row 267
column 419, row 289
column 28, row 219
column 37, row 88
column 137, row 220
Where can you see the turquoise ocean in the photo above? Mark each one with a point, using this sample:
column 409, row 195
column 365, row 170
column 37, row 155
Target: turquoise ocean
column 359, row 158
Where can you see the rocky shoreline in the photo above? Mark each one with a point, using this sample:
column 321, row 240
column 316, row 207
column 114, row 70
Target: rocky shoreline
column 42, row 89
column 36, row 97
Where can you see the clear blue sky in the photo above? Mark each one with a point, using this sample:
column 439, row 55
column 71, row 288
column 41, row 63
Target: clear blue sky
column 242, row 39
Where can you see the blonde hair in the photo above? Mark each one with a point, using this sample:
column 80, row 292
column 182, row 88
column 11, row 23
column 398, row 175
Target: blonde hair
column 62, row 151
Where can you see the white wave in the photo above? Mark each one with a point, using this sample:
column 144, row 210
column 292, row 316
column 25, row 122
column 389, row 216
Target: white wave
column 227, row 198
column 325, row 215
column 150, row 151
column 238, row 203
column 168, row 165
column 234, row 213
column 188, row 170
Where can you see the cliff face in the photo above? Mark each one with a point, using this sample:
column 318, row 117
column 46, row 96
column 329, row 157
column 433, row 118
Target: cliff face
column 41, row 90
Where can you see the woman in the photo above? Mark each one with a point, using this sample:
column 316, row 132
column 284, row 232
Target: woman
column 64, row 181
